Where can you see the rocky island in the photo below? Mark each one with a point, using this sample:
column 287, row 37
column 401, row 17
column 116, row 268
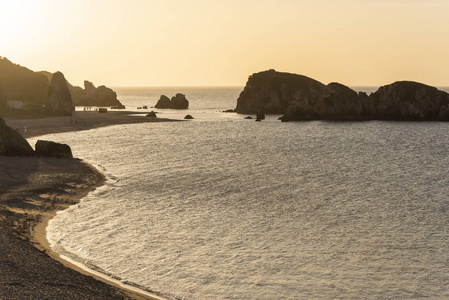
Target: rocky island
column 177, row 102
column 298, row 97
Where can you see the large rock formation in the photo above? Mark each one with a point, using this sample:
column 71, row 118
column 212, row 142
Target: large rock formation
column 12, row 143
column 273, row 92
column 92, row 96
column 34, row 89
column 21, row 84
column 406, row 100
column 59, row 97
column 163, row 102
column 52, row 149
column 303, row 98
column 177, row 102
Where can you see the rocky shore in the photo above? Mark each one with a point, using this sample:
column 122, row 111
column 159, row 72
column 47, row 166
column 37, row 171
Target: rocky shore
column 299, row 98
column 32, row 189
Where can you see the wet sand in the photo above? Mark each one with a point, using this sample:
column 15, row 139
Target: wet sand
column 32, row 190
column 80, row 120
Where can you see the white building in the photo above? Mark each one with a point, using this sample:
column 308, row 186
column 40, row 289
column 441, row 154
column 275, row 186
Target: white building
column 15, row 104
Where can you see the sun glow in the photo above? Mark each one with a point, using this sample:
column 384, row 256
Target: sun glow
column 198, row 42
column 16, row 20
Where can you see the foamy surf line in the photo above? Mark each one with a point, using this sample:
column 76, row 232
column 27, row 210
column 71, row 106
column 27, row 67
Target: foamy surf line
column 70, row 256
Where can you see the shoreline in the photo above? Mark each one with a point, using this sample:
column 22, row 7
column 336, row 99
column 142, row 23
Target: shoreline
column 40, row 241
column 79, row 121
column 35, row 231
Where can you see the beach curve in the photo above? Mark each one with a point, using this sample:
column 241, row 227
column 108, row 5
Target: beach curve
column 32, row 190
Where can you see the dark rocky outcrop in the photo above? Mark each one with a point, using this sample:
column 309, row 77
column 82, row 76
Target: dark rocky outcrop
column 406, row 100
column 33, row 89
column 151, row 114
column 302, row 98
column 59, row 97
column 21, row 84
column 274, row 91
column 188, row 117
column 91, row 95
column 95, row 96
column 163, row 102
column 177, row 102
column 52, row 149
column 12, row 143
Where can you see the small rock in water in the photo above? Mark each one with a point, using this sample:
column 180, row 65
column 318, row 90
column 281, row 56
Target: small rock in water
column 188, row 117
column 151, row 114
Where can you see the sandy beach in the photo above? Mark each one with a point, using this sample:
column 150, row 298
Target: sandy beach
column 80, row 120
column 32, row 190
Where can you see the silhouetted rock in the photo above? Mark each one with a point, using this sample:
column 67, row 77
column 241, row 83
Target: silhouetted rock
column 52, row 149
column 12, row 143
column 33, row 88
column 406, row 100
column 151, row 114
column 95, row 96
column 163, row 102
column 260, row 115
column 60, row 100
column 21, row 84
column 248, row 118
column 188, row 117
column 177, row 102
column 303, row 98
column 274, row 91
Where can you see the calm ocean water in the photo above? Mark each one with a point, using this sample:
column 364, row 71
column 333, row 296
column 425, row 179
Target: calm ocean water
column 226, row 208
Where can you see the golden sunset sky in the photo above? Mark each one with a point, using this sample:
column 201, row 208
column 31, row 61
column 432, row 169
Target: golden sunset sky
column 220, row 43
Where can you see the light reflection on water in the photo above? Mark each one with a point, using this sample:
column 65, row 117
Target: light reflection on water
column 267, row 210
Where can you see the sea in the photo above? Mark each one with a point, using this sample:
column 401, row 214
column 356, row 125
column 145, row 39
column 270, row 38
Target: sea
column 221, row 207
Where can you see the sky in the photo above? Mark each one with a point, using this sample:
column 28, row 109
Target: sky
column 222, row 42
